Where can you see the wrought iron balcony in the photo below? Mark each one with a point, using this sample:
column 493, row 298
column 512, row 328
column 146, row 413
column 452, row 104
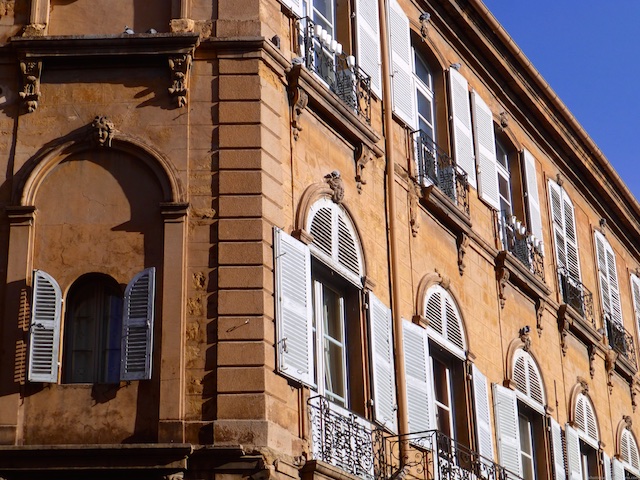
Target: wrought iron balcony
column 432, row 455
column 341, row 438
column 437, row 168
column 620, row 339
column 575, row 294
column 521, row 243
column 324, row 56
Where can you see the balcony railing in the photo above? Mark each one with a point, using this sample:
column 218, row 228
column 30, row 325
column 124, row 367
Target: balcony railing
column 437, row 168
column 341, row 438
column 575, row 294
column 324, row 56
column 521, row 243
column 432, row 455
column 620, row 339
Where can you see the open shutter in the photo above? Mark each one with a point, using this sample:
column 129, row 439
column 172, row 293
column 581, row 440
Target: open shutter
column 617, row 470
column 294, row 5
column 609, row 289
column 369, row 42
column 419, row 384
column 557, row 451
column 606, row 466
column 555, row 201
column 402, row 88
column 293, row 308
column 571, row 237
column 384, row 389
column 461, row 131
column 635, row 289
column 44, row 342
column 137, row 327
column 531, row 194
column 614, row 289
column 483, row 416
column 574, row 463
column 507, row 429
column 486, row 152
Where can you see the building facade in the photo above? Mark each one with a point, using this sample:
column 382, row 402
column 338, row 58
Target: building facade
column 318, row 239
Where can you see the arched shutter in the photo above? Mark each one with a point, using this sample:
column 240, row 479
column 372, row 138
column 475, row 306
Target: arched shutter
column 294, row 5
column 44, row 335
column 420, row 401
column 531, row 194
column 137, row 327
column 369, row 42
column 629, row 450
column 574, row 463
column 527, row 378
column 557, row 451
column 606, row 466
column 507, row 429
column 486, row 152
column 461, row 131
column 384, row 387
column 294, row 335
column 585, row 420
column 483, row 415
column 403, row 94
column 444, row 319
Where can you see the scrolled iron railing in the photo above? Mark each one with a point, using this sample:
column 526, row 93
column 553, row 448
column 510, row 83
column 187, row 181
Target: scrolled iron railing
column 323, row 55
column 521, row 243
column 620, row 340
column 575, row 294
column 438, row 168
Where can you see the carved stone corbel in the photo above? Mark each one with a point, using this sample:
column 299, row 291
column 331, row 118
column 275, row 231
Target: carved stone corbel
column 414, row 207
column 180, row 66
column 502, row 275
column 336, row 184
column 540, row 304
column 102, row 131
column 610, row 364
column 299, row 102
column 30, row 94
column 592, row 360
column 462, row 242
column 563, row 327
column 634, row 386
column 363, row 155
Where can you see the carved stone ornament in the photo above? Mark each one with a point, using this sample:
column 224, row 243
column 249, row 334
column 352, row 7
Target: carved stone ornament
column 628, row 422
column 584, row 386
column 462, row 242
column 633, row 387
column 610, row 364
column 525, row 338
column 563, row 328
column 559, row 180
column 299, row 102
column 592, row 359
column 30, row 94
column 540, row 304
column 174, row 476
column 504, row 120
column 363, row 155
column 336, row 184
column 414, row 207
column 502, row 275
column 180, row 66
column 103, row 130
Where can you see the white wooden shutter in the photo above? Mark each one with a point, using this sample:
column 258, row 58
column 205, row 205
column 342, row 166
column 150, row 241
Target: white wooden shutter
column 384, row 388
column 555, row 203
column 487, row 163
column 402, row 84
column 507, row 429
column 483, row 415
column 574, row 463
column 557, row 451
column 294, row 335
column 571, row 237
column 461, row 131
column 606, row 466
column 564, row 227
column 137, row 327
column 369, row 42
column 635, row 289
column 44, row 341
column 294, row 5
column 617, row 470
column 531, row 194
column 420, row 399
column 609, row 290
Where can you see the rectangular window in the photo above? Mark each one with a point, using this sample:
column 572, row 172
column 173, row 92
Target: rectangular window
column 526, row 447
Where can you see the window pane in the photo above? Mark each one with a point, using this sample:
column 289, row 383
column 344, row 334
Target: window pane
column 422, row 70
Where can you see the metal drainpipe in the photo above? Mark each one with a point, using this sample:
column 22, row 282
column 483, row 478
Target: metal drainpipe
column 403, row 419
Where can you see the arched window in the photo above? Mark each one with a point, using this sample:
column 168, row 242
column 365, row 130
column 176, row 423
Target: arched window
column 582, row 440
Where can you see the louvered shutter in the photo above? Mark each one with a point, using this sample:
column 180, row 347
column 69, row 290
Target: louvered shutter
column 294, row 5
column 585, row 420
column 444, row 319
column 557, row 451
column 555, row 200
column 369, row 42
column 527, row 378
column 487, row 163
column 293, row 308
column 44, row 341
column 635, row 289
column 348, row 255
column 606, row 466
column 629, row 450
column 462, row 137
column 573, row 453
column 531, row 194
column 137, row 327
column 420, row 401
column 384, row 388
column 507, row 429
column 617, row 470
column 483, row 416
column 571, row 237
column 403, row 94
column 608, row 278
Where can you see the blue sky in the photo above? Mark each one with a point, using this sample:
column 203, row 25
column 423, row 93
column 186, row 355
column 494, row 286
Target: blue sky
column 589, row 52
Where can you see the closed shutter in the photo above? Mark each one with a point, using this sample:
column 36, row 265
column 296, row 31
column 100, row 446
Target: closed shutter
column 564, row 228
column 462, row 137
column 483, row 415
column 420, row 401
column 507, row 429
column 384, row 389
column 606, row 466
column 609, row 290
column 294, row 335
column 617, row 469
column 137, row 327
column 44, row 336
column 585, row 420
column 486, row 152
column 369, row 42
column 574, row 463
column 557, row 451
column 531, row 194
column 294, row 5
column 629, row 450
column 403, row 94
